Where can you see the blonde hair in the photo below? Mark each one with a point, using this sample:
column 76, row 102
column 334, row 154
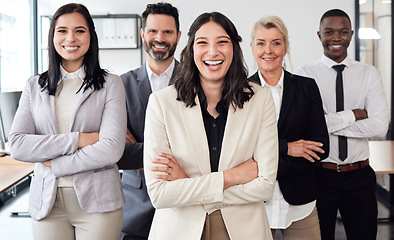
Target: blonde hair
column 273, row 22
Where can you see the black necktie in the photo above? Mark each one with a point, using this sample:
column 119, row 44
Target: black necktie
column 342, row 141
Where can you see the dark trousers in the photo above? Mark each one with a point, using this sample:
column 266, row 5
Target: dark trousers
column 354, row 195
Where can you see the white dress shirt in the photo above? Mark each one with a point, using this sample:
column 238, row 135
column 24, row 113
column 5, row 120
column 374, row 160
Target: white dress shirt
column 363, row 89
column 161, row 81
column 280, row 213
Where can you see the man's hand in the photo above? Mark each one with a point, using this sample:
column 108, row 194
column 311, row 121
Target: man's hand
column 360, row 114
column 129, row 137
column 305, row 149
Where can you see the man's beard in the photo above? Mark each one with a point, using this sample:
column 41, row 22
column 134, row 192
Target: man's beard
column 160, row 55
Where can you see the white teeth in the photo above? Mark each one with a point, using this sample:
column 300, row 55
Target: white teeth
column 269, row 59
column 336, row 46
column 159, row 47
column 213, row 62
column 70, row 48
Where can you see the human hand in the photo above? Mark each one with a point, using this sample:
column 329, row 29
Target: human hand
column 47, row 163
column 130, row 138
column 360, row 114
column 170, row 166
column 86, row 139
column 241, row 174
column 305, row 149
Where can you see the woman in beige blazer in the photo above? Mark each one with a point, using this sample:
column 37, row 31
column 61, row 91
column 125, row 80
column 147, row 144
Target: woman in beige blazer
column 71, row 122
column 211, row 148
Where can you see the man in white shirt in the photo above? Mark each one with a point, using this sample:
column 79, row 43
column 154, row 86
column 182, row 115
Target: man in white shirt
column 356, row 109
column 160, row 35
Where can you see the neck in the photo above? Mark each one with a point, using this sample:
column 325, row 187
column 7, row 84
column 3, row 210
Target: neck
column 71, row 66
column 213, row 92
column 271, row 78
column 158, row 67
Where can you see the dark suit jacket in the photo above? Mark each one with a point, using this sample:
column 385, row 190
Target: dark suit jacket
column 138, row 211
column 301, row 117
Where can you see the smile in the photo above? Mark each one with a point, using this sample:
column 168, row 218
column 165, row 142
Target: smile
column 70, row 48
column 269, row 59
column 213, row 63
column 159, row 47
column 336, row 46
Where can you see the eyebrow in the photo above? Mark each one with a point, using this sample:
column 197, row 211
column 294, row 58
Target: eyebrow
column 216, row 38
column 74, row 28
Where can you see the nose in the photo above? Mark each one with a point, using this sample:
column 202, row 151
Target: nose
column 268, row 48
column 70, row 37
column 159, row 36
column 213, row 50
column 336, row 36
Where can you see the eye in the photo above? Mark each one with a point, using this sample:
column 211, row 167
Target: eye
column 80, row 31
column 276, row 43
column 61, row 31
column 201, row 42
column 221, row 42
column 260, row 44
column 328, row 32
column 168, row 32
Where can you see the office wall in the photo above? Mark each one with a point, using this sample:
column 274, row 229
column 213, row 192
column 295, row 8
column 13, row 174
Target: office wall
column 301, row 17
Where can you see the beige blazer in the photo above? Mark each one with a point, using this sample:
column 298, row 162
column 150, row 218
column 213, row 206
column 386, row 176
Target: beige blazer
column 34, row 138
column 182, row 205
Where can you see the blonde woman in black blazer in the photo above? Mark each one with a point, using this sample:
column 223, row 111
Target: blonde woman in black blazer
column 302, row 132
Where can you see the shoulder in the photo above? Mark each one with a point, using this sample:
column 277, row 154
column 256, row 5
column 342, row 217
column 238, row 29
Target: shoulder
column 112, row 79
column 364, row 67
column 132, row 75
column 260, row 92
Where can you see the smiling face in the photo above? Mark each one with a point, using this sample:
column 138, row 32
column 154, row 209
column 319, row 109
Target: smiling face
column 71, row 40
column 213, row 52
column 269, row 49
column 160, row 36
column 335, row 35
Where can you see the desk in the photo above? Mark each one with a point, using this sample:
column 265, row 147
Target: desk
column 12, row 172
column 381, row 156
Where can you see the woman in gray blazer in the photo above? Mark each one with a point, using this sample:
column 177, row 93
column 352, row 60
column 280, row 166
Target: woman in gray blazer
column 71, row 122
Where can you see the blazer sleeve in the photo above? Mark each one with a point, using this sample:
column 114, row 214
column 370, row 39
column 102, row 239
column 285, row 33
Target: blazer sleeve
column 109, row 149
column 266, row 156
column 28, row 146
column 207, row 188
column 317, row 128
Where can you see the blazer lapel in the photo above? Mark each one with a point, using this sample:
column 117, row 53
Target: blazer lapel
column 194, row 124
column 287, row 98
column 233, row 131
column 81, row 97
column 48, row 105
column 143, row 86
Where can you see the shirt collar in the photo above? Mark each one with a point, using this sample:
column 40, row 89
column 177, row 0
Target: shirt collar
column 167, row 72
column 330, row 63
column 263, row 83
column 80, row 73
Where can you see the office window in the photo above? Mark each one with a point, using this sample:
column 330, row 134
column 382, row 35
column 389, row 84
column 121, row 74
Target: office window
column 16, row 44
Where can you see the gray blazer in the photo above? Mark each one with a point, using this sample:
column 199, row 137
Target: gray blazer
column 34, row 138
column 138, row 211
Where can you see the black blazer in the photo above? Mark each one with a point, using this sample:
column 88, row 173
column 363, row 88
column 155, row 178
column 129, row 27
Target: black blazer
column 301, row 117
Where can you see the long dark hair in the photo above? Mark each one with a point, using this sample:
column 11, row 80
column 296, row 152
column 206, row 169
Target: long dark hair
column 236, row 89
column 95, row 76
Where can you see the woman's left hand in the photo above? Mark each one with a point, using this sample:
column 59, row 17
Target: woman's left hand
column 170, row 166
column 47, row 163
